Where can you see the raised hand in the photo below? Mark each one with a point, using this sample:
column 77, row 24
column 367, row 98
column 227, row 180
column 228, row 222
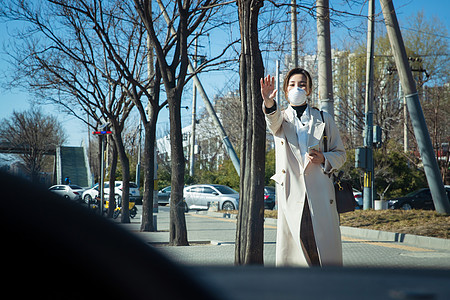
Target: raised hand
column 268, row 90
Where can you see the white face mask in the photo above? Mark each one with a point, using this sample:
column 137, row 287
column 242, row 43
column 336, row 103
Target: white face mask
column 297, row 96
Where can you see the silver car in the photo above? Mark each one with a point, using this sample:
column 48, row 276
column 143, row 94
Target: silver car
column 93, row 192
column 70, row 192
column 200, row 196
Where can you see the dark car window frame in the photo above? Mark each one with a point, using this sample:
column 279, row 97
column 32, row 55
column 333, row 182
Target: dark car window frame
column 75, row 187
column 208, row 190
column 195, row 189
column 223, row 189
column 423, row 194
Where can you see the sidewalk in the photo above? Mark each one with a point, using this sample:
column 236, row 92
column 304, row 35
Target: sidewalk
column 212, row 238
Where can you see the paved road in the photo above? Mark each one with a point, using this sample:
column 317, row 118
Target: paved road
column 212, row 239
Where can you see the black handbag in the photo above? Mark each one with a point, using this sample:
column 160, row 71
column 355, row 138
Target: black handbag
column 343, row 191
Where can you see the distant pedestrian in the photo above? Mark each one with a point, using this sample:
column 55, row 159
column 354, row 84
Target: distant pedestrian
column 67, row 180
column 308, row 231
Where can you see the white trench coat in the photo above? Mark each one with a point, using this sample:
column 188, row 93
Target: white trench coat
column 296, row 179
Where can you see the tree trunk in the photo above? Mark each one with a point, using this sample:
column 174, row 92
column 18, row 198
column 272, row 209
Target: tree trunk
column 125, row 214
column 178, row 231
column 149, row 166
column 112, row 177
column 250, row 232
column 125, row 162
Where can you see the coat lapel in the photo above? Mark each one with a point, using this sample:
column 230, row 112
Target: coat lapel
column 291, row 136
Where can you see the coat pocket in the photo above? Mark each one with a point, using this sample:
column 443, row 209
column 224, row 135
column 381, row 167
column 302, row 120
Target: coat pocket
column 279, row 178
column 281, row 188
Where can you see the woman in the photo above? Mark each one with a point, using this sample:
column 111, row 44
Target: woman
column 308, row 224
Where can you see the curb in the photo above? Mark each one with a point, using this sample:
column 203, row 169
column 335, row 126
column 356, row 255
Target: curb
column 410, row 239
column 370, row 234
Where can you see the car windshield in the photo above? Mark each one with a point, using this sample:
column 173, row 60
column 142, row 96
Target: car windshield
column 119, row 183
column 75, row 187
column 270, row 189
column 225, row 190
column 412, row 194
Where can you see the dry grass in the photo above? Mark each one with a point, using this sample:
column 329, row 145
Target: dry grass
column 418, row 222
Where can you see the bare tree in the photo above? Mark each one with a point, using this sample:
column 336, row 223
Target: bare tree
column 172, row 61
column 35, row 133
column 250, row 233
column 70, row 66
column 427, row 44
column 437, row 114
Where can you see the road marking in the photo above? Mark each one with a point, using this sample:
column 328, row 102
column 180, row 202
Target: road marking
column 270, row 226
column 387, row 245
column 344, row 238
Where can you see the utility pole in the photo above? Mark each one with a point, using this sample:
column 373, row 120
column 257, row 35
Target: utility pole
column 194, row 108
column 104, row 130
column 324, row 57
column 368, row 192
column 405, row 119
column 294, row 44
column 102, row 173
column 430, row 164
column 405, row 127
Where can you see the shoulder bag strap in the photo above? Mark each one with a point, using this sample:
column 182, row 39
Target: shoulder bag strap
column 325, row 137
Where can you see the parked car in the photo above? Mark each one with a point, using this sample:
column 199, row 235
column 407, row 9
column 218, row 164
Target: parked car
column 269, row 197
column 90, row 194
column 358, row 198
column 135, row 195
column 164, row 195
column 420, row 199
column 200, row 196
column 70, row 192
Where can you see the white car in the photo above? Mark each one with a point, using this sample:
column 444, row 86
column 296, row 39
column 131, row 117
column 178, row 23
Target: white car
column 70, row 192
column 200, row 196
column 93, row 192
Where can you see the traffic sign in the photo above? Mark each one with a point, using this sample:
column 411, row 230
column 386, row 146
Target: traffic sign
column 102, row 132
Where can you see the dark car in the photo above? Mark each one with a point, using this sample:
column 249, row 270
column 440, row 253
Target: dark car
column 269, row 197
column 420, row 199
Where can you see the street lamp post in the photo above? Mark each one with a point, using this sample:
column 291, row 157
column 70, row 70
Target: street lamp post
column 101, row 134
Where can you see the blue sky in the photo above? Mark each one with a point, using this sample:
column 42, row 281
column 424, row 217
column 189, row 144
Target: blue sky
column 11, row 100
